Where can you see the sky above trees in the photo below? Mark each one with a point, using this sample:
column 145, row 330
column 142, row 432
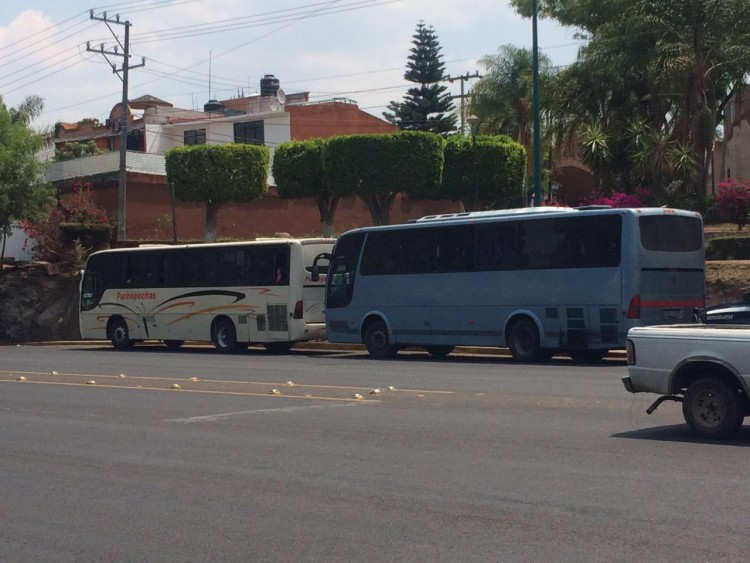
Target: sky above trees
column 348, row 48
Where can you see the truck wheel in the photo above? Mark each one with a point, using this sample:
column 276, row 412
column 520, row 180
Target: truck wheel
column 523, row 342
column 119, row 335
column 712, row 409
column 378, row 342
column 225, row 336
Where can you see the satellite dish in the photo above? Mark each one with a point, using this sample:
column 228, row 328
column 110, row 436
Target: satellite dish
column 281, row 96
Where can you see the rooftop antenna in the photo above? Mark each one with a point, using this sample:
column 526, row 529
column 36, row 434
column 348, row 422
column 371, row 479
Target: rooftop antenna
column 210, row 53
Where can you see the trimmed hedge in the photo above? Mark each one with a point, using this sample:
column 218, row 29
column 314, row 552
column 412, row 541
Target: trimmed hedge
column 728, row 248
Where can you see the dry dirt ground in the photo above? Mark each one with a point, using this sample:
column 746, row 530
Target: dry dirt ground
column 726, row 280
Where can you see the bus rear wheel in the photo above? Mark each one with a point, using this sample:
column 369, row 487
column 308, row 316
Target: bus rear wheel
column 119, row 335
column 224, row 336
column 378, row 342
column 523, row 341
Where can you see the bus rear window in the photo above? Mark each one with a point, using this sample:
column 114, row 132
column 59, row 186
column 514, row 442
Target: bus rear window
column 671, row 233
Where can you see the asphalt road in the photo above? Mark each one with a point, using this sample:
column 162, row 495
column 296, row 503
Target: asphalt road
column 469, row 459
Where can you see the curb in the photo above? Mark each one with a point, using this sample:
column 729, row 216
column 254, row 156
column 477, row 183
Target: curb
column 313, row 345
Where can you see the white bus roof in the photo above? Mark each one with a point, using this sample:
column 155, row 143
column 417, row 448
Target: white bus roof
column 538, row 211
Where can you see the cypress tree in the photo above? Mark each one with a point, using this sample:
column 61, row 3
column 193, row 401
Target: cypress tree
column 427, row 106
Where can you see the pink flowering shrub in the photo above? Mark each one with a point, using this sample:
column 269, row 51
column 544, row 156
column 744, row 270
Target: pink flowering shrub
column 74, row 213
column 733, row 201
column 618, row 199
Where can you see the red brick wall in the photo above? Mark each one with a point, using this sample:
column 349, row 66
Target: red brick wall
column 336, row 118
column 149, row 211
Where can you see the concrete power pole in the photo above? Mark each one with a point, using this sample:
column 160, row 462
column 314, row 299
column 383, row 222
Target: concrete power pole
column 124, row 68
column 463, row 78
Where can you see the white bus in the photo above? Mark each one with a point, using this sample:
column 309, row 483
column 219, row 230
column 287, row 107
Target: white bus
column 537, row 280
column 231, row 294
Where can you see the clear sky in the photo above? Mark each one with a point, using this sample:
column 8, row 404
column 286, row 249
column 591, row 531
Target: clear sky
column 355, row 49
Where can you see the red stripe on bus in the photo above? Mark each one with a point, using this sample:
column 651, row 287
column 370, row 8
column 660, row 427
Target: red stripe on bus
column 685, row 303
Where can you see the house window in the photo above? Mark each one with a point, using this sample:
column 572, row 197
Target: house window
column 195, row 137
column 249, row 132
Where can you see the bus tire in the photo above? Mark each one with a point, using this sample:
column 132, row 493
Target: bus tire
column 278, row 348
column 378, row 341
column 224, row 335
column 712, row 408
column 523, row 341
column 438, row 351
column 119, row 335
column 174, row 344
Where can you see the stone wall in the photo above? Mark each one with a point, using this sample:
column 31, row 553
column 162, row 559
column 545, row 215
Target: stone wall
column 37, row 306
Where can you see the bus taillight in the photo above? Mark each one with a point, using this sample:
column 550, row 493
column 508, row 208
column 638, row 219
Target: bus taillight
column 634, row 309
column 297, row 310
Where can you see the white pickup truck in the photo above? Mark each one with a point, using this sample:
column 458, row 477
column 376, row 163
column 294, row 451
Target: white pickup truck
column 705, row 367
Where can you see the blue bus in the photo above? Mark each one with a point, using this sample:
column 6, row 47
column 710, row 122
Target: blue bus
column 538, row 280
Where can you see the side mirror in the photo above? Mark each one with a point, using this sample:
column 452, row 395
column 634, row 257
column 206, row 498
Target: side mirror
column 315, row 272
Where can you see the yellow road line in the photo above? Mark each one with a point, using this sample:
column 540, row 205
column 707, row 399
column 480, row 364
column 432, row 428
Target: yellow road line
column 200, row 391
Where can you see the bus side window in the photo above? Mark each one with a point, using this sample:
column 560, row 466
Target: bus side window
column 496, row 247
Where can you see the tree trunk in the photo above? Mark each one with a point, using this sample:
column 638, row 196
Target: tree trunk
column 327, row 208
column 380, row 207
column 212, row 210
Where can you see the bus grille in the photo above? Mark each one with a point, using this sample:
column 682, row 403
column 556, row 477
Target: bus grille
column 277, row 318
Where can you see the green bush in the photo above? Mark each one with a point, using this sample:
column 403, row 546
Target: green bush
column 728, row 248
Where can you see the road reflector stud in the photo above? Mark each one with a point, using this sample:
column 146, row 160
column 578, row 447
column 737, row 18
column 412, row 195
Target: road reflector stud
column 54, row 373
column 289, row 384
column 21, row 378
column 193, row 379
column 391, row 388
column 274, row 392
column 357, row 396
column 121, row 376
column 91, row 382
column 420, row 396
column 375, row 392
column 175, row 386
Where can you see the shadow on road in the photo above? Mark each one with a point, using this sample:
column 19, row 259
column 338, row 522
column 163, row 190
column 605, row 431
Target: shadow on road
column 681, row 433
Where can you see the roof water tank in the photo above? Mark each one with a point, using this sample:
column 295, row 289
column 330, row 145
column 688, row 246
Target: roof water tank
column 213, row 105
column 269, row 85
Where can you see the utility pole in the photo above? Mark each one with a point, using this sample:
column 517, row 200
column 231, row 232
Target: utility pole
column 124, row 68
column 463, row 78
column 537, row 130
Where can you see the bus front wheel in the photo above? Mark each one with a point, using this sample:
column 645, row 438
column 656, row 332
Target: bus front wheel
column 119, row 335
column 378, row 342
column 523, row 341
column 225, row 336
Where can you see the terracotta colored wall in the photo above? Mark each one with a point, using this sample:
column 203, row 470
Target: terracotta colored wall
column 335, row 118
column 149, row 213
